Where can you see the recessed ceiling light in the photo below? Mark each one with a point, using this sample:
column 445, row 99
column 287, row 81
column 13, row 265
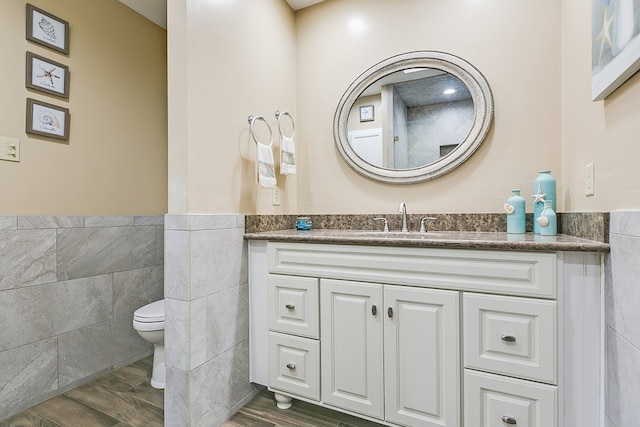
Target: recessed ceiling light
column 449, row 91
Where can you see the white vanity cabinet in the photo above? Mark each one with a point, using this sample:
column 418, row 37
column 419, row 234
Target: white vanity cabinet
column 425, row 337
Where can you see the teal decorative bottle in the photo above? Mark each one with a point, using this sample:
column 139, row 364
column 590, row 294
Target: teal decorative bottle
column 547, row 220
column 515, row 209
column 544, row 189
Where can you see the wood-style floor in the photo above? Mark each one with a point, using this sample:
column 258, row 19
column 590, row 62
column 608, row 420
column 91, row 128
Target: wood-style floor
column 124, row 398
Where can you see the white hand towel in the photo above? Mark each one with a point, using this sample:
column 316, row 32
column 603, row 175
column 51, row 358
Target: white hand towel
column 287, row 156
column 265, row 167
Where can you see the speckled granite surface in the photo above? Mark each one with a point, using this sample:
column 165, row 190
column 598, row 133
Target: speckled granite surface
column 443, row 222
column 579, row 231
column 588, row 225
column 442, row 239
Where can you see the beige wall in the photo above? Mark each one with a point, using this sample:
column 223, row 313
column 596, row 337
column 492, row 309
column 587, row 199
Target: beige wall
column 516, row 45
column 605, row 132
column 115, row 160
column 232, row 59
column 227, row 60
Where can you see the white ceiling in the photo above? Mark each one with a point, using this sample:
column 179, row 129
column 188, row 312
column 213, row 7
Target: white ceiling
column 299, row 4
column 156, row 10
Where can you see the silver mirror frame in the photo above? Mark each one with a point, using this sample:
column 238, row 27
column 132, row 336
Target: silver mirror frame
column 482, row 100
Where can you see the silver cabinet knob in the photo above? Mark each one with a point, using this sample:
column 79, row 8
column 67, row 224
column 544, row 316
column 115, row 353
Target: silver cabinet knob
column 292, row 367
column 508, row 420
column 374, row 310
column 290, row 306
column 508, row 338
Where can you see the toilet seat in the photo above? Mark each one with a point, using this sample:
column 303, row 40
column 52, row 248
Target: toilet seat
column 150, row 313
column 149, row 317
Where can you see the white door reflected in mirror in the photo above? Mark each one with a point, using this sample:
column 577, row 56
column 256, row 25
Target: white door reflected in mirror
column 367, row 144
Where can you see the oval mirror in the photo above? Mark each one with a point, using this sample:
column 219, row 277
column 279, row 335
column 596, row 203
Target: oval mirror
column 413, row 117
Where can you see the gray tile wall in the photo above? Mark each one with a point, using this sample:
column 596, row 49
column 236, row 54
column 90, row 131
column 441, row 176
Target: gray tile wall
column 68, row 290
column 622, row 317
column 207, row 319
column 432, row 126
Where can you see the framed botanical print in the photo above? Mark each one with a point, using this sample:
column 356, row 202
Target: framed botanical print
column 47, row 76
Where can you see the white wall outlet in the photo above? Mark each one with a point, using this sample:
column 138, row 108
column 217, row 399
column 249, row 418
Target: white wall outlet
column 275, row 196
column 9, row 149
column 589, row 179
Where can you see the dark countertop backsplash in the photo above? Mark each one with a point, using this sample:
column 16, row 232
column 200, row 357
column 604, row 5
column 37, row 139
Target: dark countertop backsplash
column 585, row 225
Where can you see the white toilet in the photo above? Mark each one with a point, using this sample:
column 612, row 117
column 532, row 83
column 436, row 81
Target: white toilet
column 148, row 320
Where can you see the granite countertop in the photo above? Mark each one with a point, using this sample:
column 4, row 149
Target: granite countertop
column 436, row 239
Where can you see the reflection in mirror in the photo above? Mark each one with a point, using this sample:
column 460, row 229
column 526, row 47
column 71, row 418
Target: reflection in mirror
column 413, row 117
column 422, row 115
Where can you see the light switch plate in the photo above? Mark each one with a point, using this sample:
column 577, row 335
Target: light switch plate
column 275, row 196
column 9, row 149
column 589, row 179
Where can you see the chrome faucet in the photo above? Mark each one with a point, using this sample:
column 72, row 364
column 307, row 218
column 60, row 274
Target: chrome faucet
column 403, row 210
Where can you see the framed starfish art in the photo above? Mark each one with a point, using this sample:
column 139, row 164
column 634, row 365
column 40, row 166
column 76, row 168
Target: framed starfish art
column 48, row 30
column 615, row 44
column 47, row 76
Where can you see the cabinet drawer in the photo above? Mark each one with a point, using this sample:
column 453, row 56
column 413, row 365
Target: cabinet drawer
column 294, row 305
column 491, row 400
column 496, row 272
column 509, row 335
column 294, row 365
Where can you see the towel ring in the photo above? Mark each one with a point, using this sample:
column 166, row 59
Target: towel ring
column 252, row 120
column 293, row 124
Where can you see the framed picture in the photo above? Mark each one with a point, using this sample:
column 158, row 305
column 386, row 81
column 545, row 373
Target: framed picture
column 47, row 120
column 615, row 45
column 47, row 76
column 47, row 30
column 366, row 113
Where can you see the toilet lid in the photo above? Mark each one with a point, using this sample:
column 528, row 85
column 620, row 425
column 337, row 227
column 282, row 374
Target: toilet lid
column 153, row 312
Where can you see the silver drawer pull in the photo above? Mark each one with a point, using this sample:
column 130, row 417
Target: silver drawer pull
column 292, row 367
column 508, row 420
column 290, row 306
column 374, row 310
column 508, row 338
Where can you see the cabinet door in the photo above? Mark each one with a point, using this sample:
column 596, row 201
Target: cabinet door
column 422, row 362
column 351, row 349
